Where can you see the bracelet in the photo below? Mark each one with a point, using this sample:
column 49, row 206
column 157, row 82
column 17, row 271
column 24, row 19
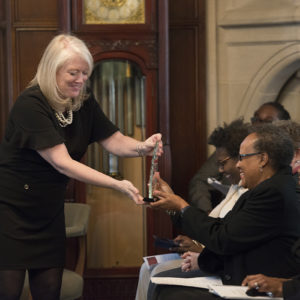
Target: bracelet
column 171, row 212
column 139, row 150
column 196, row 243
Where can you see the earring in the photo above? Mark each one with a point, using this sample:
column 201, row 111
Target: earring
column 261, row 169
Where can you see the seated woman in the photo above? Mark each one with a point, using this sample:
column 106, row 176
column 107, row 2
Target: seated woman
column 227, row 140
column 282, row 287
column 257, row 235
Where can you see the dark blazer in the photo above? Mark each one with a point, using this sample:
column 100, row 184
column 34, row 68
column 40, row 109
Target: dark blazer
column 255, row 237
column 291, row 289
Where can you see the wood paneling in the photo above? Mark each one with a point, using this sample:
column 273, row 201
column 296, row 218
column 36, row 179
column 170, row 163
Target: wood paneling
column 34, row 24
column 2, row 10
column 33, row 11
column 5, row 64
column 3, row 89
column 28, row 56
column 184, row 10
column 187, row 91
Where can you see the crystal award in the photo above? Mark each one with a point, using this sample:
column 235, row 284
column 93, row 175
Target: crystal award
column 153, row 169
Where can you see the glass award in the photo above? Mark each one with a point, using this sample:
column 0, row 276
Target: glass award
column 153, row 169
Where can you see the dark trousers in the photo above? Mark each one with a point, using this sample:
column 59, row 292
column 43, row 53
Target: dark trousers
column 174, row 292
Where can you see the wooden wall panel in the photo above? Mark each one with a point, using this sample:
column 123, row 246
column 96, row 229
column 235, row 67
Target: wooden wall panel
column 27, row 56
column 33, row 26
column 184, row 10
column 2, row 10
column 3, row 103
column 187, row 91
column 33, row 11
column 5, row 64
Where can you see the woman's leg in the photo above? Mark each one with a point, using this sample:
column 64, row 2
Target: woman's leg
column 11, row 284
column 45, row 283
column 146, row 274
column 144, row 279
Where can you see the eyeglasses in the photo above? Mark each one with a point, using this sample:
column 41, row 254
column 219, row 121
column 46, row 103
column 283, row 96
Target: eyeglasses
column 242, row 156
column 221, row 163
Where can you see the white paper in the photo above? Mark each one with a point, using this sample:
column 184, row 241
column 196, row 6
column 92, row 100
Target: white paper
column 156, row 259
column 236, row 292
column 198, row 282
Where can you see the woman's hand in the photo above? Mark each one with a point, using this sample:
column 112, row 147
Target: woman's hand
column 167, row 200
column 265, row 284
column 190, row 261
column 147, row 147
column 187, row 244
column 127, row 188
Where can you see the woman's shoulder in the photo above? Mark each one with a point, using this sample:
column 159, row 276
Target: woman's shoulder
column 30, row 104
column 31, row 96
column 281, row 182
column 31, row 92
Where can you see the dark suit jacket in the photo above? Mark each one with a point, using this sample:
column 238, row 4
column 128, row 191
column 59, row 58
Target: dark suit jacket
column 291, row 289
column 255, row 237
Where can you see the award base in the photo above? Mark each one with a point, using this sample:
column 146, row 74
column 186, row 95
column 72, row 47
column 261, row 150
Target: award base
column 147, row 199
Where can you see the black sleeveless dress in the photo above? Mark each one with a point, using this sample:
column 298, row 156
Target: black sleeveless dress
column 32, row 228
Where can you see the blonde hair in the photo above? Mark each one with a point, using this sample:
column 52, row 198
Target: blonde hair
column 62, row 48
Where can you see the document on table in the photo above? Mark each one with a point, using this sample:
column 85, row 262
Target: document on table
column 236, row 292
column 198, row 282
column 214, row 285
column 156, row 259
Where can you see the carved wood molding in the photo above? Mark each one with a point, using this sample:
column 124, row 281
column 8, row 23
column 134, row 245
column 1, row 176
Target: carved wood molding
column 147, row 49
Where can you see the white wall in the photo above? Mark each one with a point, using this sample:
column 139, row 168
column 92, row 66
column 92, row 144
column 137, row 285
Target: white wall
column 253, row 55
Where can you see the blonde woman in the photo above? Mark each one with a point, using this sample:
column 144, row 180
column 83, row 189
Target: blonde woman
column 48, row 131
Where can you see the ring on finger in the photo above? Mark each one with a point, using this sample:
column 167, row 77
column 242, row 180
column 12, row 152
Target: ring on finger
column 256, row 285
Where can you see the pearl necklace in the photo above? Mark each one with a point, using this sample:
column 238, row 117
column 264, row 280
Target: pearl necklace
column 62, row 120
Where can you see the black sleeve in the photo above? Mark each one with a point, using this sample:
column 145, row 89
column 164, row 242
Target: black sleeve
column 254, row 219
column 199, row 189
column 31, row 125
column 201, row 194
column 291, row 289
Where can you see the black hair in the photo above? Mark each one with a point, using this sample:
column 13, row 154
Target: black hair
column 283, row 114
column 293, row 130
column 230, row 136
column 276, row 142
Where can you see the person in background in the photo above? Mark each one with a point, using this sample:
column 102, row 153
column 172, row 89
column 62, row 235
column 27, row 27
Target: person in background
column 227, row 140
column 49, row 128
column 293, row 129
column 256, row 236
column 202, row 194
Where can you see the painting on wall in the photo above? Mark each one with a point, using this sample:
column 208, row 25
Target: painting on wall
column 114, row 11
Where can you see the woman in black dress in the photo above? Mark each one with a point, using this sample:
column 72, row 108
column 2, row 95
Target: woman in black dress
column 49, row 128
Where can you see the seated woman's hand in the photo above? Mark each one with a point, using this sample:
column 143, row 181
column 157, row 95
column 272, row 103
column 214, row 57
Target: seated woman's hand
column 160, row 184
column 265, row 284
column 168, row 201
column 190, row 261
column 187, row 244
